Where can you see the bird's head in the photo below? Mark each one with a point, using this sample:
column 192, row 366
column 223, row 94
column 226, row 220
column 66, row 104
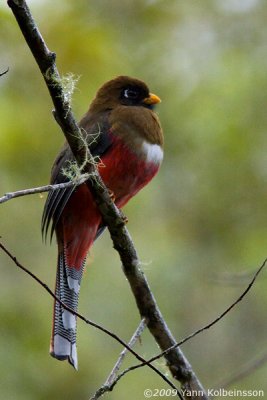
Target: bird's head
column 123, row 90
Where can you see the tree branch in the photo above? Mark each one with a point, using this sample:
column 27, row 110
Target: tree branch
column 176, row 361
column 41, row 189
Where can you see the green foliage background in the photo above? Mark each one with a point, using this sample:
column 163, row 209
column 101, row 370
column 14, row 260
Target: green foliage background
column 200, row 227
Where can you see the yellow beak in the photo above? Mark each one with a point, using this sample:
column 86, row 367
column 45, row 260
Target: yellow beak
column 152, row 99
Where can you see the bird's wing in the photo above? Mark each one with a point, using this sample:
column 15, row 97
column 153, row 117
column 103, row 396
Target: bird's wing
column 98, row 140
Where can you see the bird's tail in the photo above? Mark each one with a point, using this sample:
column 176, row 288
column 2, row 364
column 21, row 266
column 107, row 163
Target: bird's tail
column 63, row 340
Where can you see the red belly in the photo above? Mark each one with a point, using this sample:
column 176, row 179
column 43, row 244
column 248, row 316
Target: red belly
column 124, row 174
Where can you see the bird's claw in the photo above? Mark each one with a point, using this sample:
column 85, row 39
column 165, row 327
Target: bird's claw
column 111, row 195
column 124, row 218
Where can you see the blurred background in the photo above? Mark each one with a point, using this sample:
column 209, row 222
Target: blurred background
column 200, row 227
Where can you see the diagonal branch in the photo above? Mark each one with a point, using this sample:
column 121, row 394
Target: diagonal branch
column 176, row 361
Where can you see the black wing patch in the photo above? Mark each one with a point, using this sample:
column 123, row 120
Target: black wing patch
column 55, row 203
column 57, row 199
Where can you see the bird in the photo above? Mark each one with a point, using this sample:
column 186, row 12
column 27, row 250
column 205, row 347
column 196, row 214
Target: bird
column 124, row 135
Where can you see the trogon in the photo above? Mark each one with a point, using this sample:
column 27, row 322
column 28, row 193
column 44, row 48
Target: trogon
column 125, row 138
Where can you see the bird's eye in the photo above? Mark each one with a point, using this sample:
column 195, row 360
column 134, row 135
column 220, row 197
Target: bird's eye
column 130, row 94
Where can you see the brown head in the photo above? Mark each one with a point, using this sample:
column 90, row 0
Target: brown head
column 130, row 103
column 123, row 90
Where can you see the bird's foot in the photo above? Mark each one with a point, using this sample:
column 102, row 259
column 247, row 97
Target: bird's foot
column 124, row 218
column 111, row 195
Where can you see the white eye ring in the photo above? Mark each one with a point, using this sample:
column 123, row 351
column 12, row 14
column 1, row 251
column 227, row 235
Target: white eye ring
column 130, row 94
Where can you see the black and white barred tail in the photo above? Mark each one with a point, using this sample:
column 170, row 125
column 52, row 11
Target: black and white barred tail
column 63, row 340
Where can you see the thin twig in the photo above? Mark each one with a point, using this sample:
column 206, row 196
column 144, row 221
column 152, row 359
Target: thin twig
column 112, row 378
column 5, row 72
column 205, row 327
column 80, row 316
column 131, row 343
column 41, row 189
